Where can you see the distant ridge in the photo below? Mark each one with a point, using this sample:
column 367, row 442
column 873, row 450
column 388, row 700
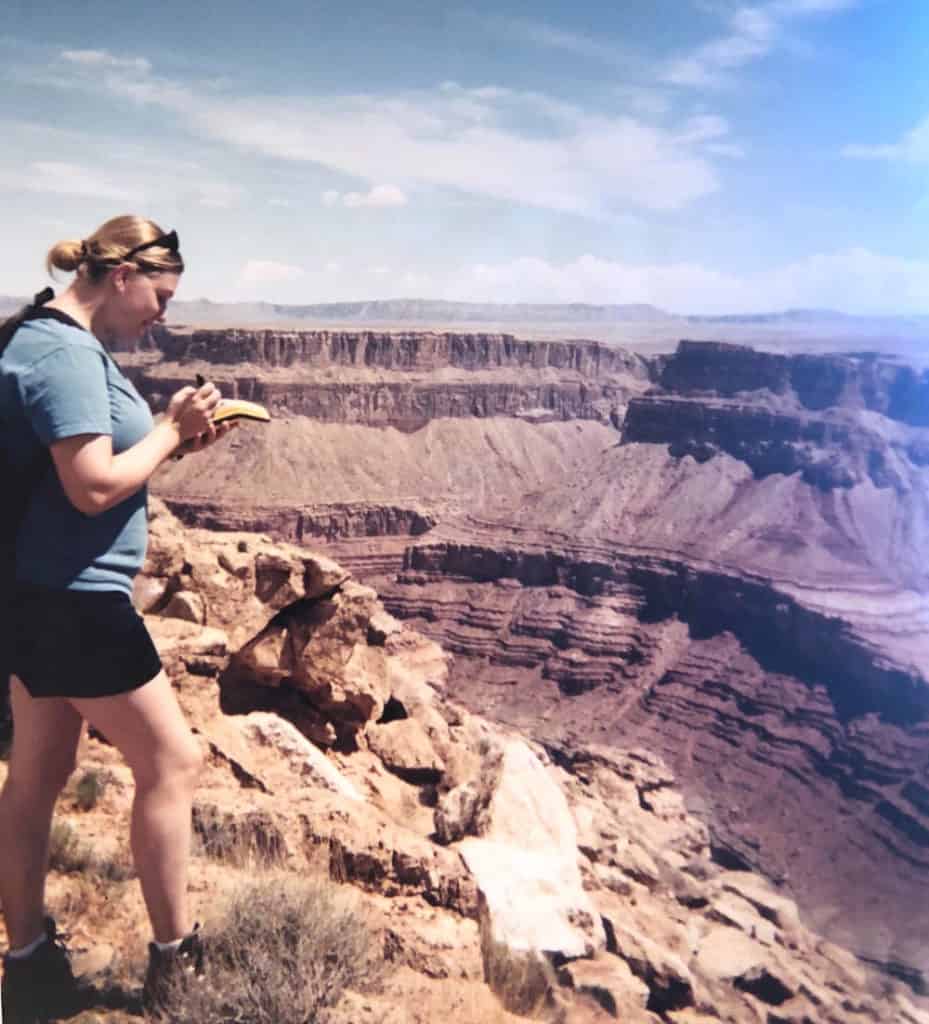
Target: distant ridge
column 436, row 311
column 433, row 310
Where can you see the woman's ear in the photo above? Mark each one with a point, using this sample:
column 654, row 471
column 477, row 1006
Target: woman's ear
column 119, row 277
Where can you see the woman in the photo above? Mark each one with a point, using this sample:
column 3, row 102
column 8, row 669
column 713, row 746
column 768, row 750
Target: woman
column 80, row 652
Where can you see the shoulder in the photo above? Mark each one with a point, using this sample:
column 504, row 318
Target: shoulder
column 46, row 335
column 40, row 344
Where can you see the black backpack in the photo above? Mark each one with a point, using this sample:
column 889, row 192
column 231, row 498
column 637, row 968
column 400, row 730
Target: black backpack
column 20, row 485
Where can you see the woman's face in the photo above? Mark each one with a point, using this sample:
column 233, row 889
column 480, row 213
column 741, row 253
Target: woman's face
column 140, row 302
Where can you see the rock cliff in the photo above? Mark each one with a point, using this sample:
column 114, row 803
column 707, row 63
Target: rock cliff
column 718, row 554
column 334, row 747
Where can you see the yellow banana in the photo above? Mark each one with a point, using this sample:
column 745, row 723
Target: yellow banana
column 239, row 409
column 236, row 408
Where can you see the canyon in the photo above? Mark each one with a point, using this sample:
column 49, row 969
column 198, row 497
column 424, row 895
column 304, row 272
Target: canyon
column 715, row 554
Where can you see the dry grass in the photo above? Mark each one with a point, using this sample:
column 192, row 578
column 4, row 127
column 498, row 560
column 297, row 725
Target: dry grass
column 524, row 983
column 89, row 789
column 283, row 951
column 250, row 840
column 70, row 855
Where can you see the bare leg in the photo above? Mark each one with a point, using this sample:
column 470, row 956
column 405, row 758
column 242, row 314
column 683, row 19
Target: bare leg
column 45, row 739
column 149, row 729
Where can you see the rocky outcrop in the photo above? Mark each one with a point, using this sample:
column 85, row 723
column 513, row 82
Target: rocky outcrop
column 468, row 846
column 862, row 380
column 737, row 580
column 323, row 522
column 394, row 350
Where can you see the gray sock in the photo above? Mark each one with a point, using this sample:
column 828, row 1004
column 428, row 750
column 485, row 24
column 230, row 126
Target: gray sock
column 24, row 951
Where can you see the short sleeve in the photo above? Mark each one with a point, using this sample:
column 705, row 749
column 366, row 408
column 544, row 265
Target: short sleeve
column 65, row 393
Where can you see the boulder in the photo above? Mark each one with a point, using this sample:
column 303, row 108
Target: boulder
column 725, row 954
column 610, row 983
column 524, row 859
column 307, row 761
column 405, row 749
column 666, row 976
column 187, row 605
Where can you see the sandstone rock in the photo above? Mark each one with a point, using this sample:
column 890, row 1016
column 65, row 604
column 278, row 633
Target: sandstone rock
column 795, row 1011
column 768, row 983
column 307, row 761
column 381, row 626
column 726, row 954
column 632, row 858
column 525, row 860
column 394, row 862
column 779, row 909
column 405, row 748
column 186, row 605
column 148, row 592
column 177, row 639
column 611, row 983
column 733, row 910
column 909, row 1014
column 667, row 978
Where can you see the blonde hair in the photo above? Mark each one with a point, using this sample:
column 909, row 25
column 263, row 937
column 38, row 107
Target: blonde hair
column 106, row 248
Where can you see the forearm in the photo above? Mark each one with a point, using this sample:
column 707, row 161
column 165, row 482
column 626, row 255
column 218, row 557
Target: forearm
column 130, row 470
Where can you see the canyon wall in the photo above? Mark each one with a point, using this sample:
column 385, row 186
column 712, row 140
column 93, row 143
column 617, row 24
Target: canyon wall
column 718, row 554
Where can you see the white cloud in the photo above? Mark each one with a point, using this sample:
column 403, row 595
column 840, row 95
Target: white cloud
column 219, row 195
column 754, row 32
column 855, row 280
column 380, row 195
column 914, row 147
column 262, row 272
column 70, row 179
column 794, row 8
column 542, row 34
column 514, row 146
column 101, row 58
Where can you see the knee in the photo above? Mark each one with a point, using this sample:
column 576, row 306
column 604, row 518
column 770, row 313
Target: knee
column 179, row 768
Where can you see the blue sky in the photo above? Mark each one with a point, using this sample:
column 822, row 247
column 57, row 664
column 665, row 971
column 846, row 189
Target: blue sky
column 702, row 155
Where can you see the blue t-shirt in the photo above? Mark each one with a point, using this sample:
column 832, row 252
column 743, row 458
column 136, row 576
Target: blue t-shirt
column 56, row 381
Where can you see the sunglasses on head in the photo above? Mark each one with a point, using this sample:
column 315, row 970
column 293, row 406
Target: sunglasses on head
column 168, row 241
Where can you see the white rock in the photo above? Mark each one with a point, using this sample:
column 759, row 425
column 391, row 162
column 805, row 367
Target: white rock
column 525, row 862
column 306, row 759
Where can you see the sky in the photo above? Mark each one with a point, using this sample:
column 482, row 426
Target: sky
column 704, row 156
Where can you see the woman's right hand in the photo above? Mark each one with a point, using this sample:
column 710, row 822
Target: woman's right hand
column 191, row 410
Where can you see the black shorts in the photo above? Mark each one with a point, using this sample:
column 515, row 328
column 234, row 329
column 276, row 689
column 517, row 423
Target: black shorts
column 79, row 643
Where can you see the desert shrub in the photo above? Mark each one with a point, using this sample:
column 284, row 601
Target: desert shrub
column 70, row 855
column 89, row 789
column 250, row 839
column 523, row 982
column 67, row 853
column 284, row 949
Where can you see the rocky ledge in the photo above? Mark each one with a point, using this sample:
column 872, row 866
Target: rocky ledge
column 334, row 746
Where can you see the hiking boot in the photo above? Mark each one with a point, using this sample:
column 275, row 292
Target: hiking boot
column 166, row 970
column 42, row 987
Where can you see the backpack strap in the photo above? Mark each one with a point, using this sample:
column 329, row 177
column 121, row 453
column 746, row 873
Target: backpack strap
column 34, row 311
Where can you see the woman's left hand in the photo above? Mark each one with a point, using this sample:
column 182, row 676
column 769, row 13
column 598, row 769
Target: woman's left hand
column 203, row 441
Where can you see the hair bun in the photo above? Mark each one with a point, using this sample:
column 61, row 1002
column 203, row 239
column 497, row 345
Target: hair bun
column 67, row 256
